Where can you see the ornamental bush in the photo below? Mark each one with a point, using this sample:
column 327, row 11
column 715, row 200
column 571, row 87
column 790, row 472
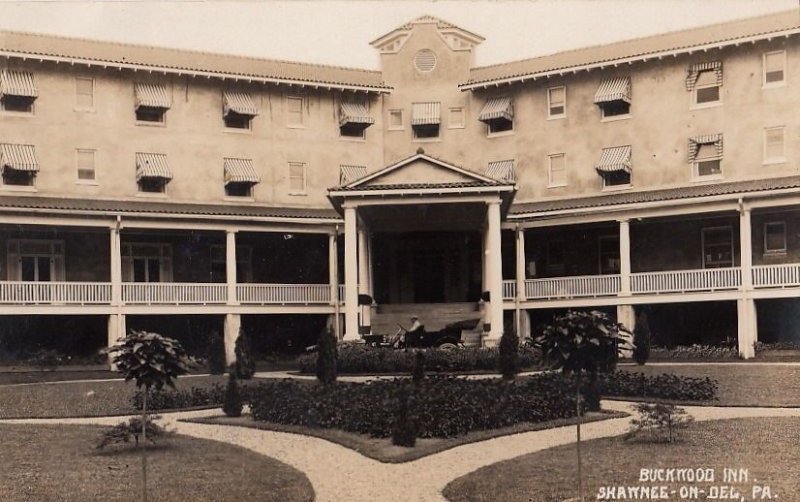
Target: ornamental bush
column 658, row 423
column 123, row 432
column 326, row 357
column 508, row 354
column 233, row 405
column 245, row 364
column 664, row 386
column 641, row 339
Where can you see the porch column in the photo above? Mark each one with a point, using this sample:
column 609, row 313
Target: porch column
column 230, row 266
column 520, row 296
column 333, row 280
column 350, row 275
column 116, row 330
column 365, row 325
column 116, row 267
column 625, row 257
column 494, row 272
column 233, row 324
column 747, row 318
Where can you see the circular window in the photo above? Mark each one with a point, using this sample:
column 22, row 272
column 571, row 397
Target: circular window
column 425, row 60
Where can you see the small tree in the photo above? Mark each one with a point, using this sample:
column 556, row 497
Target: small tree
column 326, row 357
column 578, row 342
column 641, row 339
column 151, row 361
column 233, row 405
column 215, row 353
column 245, row 364
column 660, row 422
column 418, row 371
column 404, row 429
column 508, row 354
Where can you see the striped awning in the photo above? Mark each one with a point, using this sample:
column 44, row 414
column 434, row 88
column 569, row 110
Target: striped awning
column 348, row 174
column 614, row 89
column 153, row 95
column 238, row 102
column 18, row 157
column 17, row 83
column 708, row 139
column 354, row 113
column 696, row 69
column 152, row 165
column 497, row 108
column 240, row 171
column 615, row 159
column 425, row 113
column 502, row 170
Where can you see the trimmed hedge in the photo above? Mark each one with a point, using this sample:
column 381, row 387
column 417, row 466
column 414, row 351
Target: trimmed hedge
column 168, row 399
column 357, row 359
column 664, row 386
column 694, row 352
column 444, row 406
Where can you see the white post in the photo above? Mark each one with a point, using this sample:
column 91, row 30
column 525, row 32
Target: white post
column 116, row 330
column 624, row 258
column 747, row 322
column 364, row 279
column 350, row 275
column 494, row 272
column 233, row 322
column 333, row 279
column 746, row 248
column 116, row 268
column 520, row 296
column 230, row 266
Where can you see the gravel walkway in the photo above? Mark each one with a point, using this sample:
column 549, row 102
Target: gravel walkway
column 338, row 473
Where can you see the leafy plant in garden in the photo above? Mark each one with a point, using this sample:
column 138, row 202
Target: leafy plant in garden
column 659, row 422
column 578, row 342
column 641, row 339
column 233, row 405
column 405, row 430
column 508, row 356
column 326, row 357
column 123, row 432
column 151, row 361
column 245, row 364
column 215, row 353
column 418, row 372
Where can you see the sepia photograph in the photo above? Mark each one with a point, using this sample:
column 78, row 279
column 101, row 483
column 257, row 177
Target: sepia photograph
column 399, row 250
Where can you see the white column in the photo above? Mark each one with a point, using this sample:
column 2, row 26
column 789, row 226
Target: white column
column 747, row 319
column 230, row 266
column 363, row 278
column 746, row 249
column 116, row 330
column 624, row 257
column 520, row 296
column 494, row 270
column 233, row 323
column 116, row 267
column 333, row 279
column 350, row 275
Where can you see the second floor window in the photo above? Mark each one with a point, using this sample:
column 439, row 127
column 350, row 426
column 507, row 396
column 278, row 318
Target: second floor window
column 238, row 109
column 152, row 102
column 425, row 119
column 775, row 237
column 614, row 166
column 17, row 91
column 354, row 119
column 717, row 247
column 240, row 177
column 557, row 170
column 85, row 161
column 774, row 150
column 613, row 97
column 19, row 164
column 774, row 68
column 705, row 154
column 704, row 80
column 152, row 172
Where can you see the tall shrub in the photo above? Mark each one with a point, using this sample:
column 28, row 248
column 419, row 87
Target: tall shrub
column 641, row 339
column 215, row 353
column 326, row 357
column 508, row 357
column 404, row 430
column 245, row 364
column 232, row 406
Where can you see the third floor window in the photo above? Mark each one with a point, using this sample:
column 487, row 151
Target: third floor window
column 17, row 91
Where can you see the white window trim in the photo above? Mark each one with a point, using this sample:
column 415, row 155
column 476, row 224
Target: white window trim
column 772, row 85
column 775, row 252
column 499, row 134
column 79, row 108
column 703, row 232
column 302, row 124
column 358, row 139
column 78, row 179
column 303, row 191
column 696, row 176
column 13, row 113
column 148, row 123
column 463, row 123
column 694, row 105
column 612, row 188
column 390, row 127
column 166, row 265
column 550, row 183
column 613, row 118
column 774, row 160
column 552, row 116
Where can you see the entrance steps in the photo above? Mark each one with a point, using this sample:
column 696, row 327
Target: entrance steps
column 434, row 316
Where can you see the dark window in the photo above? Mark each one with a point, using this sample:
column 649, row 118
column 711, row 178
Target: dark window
column 709, row 167
column 500, row 125
column 150, row 114
column 237, row 120
column 426, row 131
column 708, row 94
column 152, row 185
column 17, row 103
column 616, row 178
column 15, row 177
column 614, row 108
column 352, row 130
column 239, row 189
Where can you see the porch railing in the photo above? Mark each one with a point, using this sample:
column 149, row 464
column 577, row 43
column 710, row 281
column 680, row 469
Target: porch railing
column 82, row 293
column 572, row 287
column 264, row 294
column 775, row 276
column 174, row 293
column 509, row 290
column 679, row 281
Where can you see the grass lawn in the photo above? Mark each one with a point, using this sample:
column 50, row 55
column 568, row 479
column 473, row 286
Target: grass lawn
column 767, row 447
column 383, row 450
column 59, row 462
column 740, row 384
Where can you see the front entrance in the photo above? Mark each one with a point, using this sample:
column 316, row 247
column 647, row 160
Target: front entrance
column 426, row 267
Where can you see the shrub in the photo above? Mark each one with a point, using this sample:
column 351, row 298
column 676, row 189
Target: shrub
column 45, row 359
column 359, row 359
column 215, row 353
column 641, row 339
column 418, row 373
column 124, row 431
column 446, row 406
column 232, row 406
column 695, row 351
column 245, row 364
column 508, row 354
column 664, row 386
column 764, row 346
column 659, row 422
column 404, row 429
column 176, row 399
column 326, row 357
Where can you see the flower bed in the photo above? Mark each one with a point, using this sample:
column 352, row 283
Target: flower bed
column 695, row 352
column 359, row 359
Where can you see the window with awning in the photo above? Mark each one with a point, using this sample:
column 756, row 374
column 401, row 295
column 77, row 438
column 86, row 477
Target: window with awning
column 354, row 118
column 614, row 166
column 705, row 153
column 614, row 96
column 19, row 165
column 502, row 170
column 425, row 119
column 152, row 172
column 348, row 174
column 238, row 109
column 17, row 91
column 240, row 176
column 498, row 114
column 704, row 81
column 151, row 102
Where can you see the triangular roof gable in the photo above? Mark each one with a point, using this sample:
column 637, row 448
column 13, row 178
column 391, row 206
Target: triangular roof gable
column 408, row 171
column 458, row 39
